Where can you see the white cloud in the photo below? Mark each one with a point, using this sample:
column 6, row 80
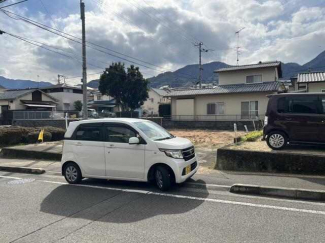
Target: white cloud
column 161, row 32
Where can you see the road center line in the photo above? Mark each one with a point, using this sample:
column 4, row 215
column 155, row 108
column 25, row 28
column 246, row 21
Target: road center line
column 198, row 198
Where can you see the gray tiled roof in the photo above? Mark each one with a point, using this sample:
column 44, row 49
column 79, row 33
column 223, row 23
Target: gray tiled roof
column 230, row 89
column 311, row 77
column 160, row 91
column 14, row 94
column 251, row 66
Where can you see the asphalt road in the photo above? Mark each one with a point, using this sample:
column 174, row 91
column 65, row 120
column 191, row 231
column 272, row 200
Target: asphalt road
column 43, row 208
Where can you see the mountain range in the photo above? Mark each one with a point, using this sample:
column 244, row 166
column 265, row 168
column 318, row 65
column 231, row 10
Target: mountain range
column 185, row 76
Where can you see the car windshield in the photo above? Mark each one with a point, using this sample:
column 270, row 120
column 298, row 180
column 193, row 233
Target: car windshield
column 153, row 131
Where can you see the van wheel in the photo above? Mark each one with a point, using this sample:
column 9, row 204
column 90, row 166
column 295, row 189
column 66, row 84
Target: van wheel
column 72, row 173
column 163, row 178
column 277, row 140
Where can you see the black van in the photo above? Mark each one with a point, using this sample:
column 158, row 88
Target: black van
column 295, row 118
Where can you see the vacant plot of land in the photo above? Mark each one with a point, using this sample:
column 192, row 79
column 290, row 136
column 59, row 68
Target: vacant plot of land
column 207, row 138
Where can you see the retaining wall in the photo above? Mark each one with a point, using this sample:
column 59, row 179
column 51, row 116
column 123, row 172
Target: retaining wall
column 273, row 162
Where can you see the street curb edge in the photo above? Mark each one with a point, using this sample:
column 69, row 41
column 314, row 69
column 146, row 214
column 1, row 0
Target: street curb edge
column 293, row 193
column 27, row 170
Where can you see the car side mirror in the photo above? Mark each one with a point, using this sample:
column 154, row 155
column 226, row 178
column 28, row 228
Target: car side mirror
column 134, row 140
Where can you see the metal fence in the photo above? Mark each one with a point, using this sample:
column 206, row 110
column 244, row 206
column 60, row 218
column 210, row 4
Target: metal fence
column 42, row 115
column 216, row 118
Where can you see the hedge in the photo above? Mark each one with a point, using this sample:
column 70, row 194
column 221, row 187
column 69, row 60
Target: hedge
column 15, row 135
column 32, row 137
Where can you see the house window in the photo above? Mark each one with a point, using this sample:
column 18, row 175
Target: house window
column 249, row 109
column 67, row 90
column 216, row 108
column 37, row 96
column 254, row 79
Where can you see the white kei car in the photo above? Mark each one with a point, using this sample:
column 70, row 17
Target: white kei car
column 126, row 149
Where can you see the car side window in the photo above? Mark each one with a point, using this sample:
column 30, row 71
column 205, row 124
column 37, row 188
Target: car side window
column 304, row 104
column 88, row 133
column 119, row 134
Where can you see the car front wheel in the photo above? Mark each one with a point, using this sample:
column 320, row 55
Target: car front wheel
column 163, row 178
column 276, row 140
column 72, row 173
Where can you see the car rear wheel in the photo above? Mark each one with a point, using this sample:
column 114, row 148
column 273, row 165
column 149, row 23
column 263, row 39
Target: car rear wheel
column 72, row 173
column 277, row 140
column 163, row 178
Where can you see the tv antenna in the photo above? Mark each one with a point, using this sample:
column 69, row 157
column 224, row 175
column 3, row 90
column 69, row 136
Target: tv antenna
column 238, row 47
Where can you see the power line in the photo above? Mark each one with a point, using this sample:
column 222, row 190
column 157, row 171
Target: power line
column 13, row 4
column 65, row 35
column 42, row 3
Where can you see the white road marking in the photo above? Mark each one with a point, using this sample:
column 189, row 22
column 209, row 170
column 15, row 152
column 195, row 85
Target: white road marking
column 10, row 177
column 198, row 198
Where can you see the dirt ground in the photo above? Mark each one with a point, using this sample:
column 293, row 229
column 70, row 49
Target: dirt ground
column 207, row 138
column 206, row 144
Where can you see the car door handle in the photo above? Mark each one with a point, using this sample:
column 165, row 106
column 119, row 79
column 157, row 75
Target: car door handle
column 79, row 144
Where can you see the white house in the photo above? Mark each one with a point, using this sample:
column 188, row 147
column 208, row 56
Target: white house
column 156, row 98
column 65, row 94
column 310, row 82
column 241, row 94
column 26, row 99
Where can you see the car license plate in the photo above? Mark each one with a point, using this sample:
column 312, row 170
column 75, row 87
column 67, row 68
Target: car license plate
column 188, row 169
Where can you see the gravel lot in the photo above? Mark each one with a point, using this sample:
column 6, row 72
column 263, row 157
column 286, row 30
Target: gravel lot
column 207, row 138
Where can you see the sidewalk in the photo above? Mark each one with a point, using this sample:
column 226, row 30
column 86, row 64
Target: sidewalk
column 204, row 176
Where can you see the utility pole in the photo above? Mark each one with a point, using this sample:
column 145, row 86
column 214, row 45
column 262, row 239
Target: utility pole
column 238, row 47
column 200, row 61
column 84, row 64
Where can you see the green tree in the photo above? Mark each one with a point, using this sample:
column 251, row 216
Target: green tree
column 129, row 89
column 77, row 105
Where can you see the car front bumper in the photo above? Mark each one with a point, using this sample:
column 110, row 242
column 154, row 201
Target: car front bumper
column 181, row 165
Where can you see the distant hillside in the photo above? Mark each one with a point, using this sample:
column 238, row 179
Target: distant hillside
column 93, row 84
column 21, row 84
column 185, row 76
column 188, row 75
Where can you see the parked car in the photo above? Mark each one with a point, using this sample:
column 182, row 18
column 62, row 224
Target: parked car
column 126, row 149
column 106, row 113
column 295, row 118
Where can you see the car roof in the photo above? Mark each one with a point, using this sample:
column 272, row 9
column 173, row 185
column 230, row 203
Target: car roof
column 296, row 94
column 75, row 124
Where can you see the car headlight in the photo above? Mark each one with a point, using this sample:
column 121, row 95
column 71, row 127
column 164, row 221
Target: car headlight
column 175, row 154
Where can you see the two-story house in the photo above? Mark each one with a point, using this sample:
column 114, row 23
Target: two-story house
column 65, row 94
column 240, row 95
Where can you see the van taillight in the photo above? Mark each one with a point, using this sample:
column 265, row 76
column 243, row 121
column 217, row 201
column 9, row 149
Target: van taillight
column 266, row 120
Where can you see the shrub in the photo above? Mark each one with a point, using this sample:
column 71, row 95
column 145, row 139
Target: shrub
column 10, row 136
column 32, row 137
column 252, row 136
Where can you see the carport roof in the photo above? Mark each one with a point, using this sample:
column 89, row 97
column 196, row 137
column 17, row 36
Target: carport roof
column 230, row 89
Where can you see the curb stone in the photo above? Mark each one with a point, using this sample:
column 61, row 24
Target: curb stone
column 293, row 193
column 27, row 170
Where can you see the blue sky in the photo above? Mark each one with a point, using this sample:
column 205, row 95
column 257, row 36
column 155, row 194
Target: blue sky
column 161, row 33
